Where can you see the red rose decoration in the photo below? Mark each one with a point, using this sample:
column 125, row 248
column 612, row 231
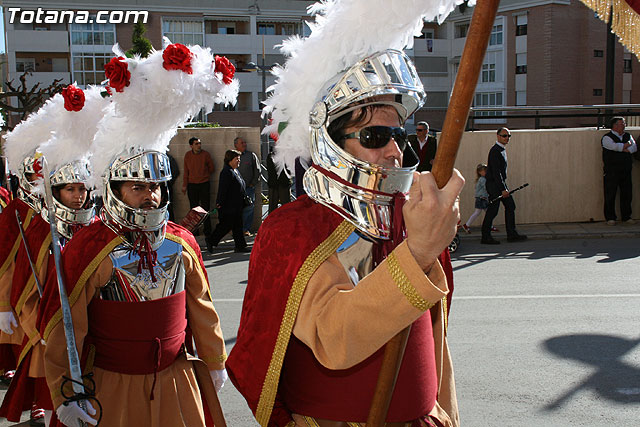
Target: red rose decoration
column 117, row 71
column 224, row 66
column 177, row 57
column 73, row 98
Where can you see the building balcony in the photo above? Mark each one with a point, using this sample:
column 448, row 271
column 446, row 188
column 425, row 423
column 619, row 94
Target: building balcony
column 37, row 41
column 425, row 47
column 242, row 43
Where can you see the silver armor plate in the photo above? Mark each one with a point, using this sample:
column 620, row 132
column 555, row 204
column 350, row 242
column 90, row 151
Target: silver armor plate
column 126, row 284
column 356, row 257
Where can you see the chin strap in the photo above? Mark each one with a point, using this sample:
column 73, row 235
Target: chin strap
column 383, row 248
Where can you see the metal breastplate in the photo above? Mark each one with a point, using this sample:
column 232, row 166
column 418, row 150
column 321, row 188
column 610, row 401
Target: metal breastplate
column 126, row 284
column 356, row 257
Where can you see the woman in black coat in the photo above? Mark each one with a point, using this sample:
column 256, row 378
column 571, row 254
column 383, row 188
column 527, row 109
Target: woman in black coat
column 230, row 202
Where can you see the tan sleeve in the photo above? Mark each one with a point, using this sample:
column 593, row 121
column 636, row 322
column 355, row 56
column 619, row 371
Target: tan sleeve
column 203, row 318
column 344, row 324
column 55, row 357
column 5, row 288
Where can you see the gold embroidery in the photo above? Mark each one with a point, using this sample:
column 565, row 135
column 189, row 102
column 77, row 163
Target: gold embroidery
column 5, row 304
column 88, row 271
column 310, row 265
column 31, row 283
column 215, row 359
column 310, row 421
column 14, row 249
column 405, row 286
column 445, row 315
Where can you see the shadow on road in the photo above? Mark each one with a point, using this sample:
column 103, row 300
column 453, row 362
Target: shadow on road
column 474, row 253
column 611, row 377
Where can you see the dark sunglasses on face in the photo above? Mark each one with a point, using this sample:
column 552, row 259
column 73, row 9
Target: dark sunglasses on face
column 506, row 136
column 379, row 136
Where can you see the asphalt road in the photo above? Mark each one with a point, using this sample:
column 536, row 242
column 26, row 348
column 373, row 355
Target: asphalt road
column 541, row 332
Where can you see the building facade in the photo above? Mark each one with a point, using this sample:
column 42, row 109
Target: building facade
column 541, row 52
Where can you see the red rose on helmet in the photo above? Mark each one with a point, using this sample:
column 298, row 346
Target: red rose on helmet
column 177, row 57
column 117, row 71
column 224, row 66
column 73, row 98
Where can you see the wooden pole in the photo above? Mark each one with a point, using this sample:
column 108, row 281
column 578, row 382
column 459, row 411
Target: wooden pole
column 464, row 88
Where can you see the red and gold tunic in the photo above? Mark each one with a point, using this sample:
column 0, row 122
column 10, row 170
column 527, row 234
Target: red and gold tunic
column 142, row 388
column 302, row 312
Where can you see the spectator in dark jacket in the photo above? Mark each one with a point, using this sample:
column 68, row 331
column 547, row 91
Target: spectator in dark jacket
column 230, row 202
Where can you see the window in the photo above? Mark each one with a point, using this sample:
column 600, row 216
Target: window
column 431, row 64
column 597, row 92
column 488, row 73
column 521, row 63
column 288, row 30
column 626, row 66
column 521, row 97
column 521, row 25
column 93, row 34
column 496, row 35
column 226, row 27
column 187, row 32
column 267, row 29
column 88, row 68
column 25, row 64
column 597, row 53
column 488, row 99
column 426, row 34
column 461, row 30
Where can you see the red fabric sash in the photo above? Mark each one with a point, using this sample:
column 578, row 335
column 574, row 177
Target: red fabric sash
column 5, row 197
column 635, row 5
column 305, row 383
column 137, row 338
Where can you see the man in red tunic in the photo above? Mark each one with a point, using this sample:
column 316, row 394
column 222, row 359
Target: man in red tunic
column 362, row 257
column 136, row 283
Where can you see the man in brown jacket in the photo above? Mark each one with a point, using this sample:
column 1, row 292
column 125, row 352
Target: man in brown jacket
column 198, row 167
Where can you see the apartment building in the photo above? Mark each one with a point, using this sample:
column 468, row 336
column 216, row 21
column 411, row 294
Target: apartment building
column 541, row 52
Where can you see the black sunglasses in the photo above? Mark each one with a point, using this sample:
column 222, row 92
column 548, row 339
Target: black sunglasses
column 506, row 136
column 379, row 136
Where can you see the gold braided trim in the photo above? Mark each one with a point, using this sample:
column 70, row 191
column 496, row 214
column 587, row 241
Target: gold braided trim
column 16, row 244
column 82, row 280
column 310, row 265
column 405, row 286
column 625, row 21
column 3, row 204
column 445, row 314
column 5, row 304
column 194, row 257
column 215, row 359
column 31, row 283
column 310, row 421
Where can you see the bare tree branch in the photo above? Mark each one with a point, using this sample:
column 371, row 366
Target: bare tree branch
column 29, row 99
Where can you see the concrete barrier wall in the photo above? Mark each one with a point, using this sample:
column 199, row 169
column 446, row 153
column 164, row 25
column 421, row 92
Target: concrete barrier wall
column 562, row 166
column 216, row 141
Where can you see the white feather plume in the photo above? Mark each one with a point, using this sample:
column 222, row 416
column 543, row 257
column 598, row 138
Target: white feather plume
column 344, row 32
column 148, row 112
column 61, row 135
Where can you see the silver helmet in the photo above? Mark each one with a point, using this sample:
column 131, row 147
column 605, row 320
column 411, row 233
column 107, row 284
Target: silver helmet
column 148, row 167
column 359, row 191
column 68, row 219
column 26, row 188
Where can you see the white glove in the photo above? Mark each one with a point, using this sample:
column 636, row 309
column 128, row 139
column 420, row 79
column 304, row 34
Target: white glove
column 6, row 320
column 219, row 377
column 71, row 413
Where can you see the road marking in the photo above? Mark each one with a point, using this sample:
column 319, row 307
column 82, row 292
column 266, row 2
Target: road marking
column 457, row 298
